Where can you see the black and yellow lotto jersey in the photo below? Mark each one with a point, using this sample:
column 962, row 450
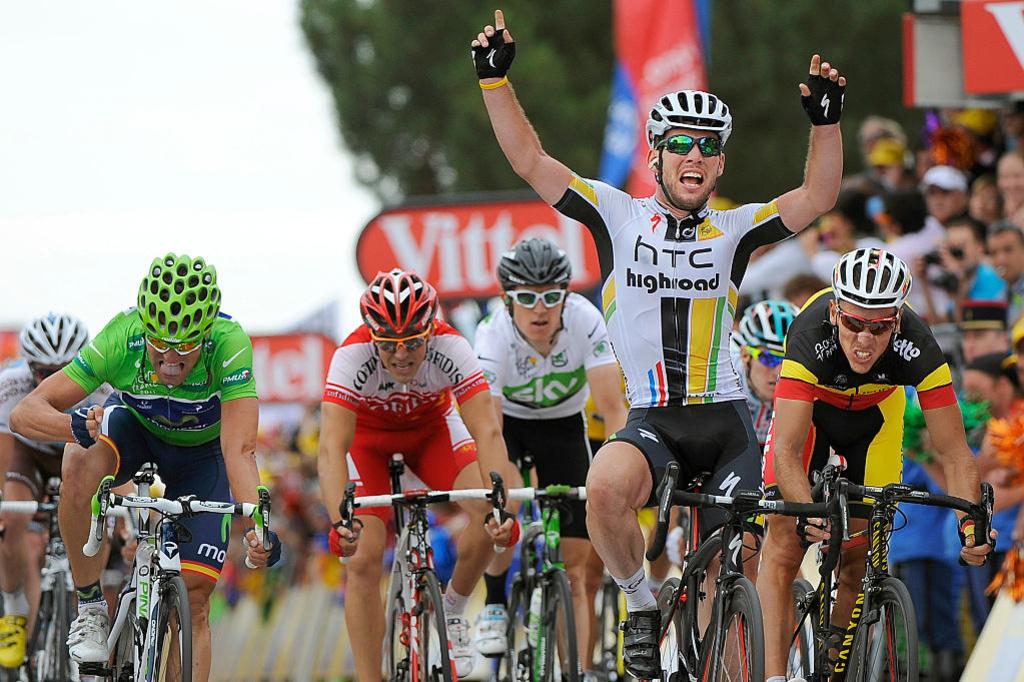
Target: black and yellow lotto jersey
column 816, row 367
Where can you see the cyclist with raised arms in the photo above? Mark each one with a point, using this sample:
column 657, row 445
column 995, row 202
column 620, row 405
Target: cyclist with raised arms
column 187, row 403
column 542, row 354
column 47, row 343
column 849, row 355
column 392, row 387
column 758, row 352
column 671, row 269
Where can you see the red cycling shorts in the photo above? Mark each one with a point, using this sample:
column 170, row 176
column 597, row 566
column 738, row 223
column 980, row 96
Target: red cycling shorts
column 435, row 451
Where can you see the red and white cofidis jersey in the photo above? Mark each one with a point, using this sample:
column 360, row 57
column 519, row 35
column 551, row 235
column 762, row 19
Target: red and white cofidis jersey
column 358, row 380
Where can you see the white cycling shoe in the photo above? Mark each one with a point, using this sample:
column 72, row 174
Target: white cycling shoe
column 491, row 637
column 87, row 639
column 462, row 649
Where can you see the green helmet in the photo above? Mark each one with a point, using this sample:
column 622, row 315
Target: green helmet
column 179, row 298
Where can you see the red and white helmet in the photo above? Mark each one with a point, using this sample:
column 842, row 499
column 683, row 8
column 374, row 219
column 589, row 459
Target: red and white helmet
column 872, row 278
column 398, row 304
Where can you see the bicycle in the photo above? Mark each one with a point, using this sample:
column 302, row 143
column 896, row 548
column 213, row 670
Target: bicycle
column 415, row 645
column 542, row 627
column 47, row 659
column 880, row 641
column 150, row 637
column 611, row 610
column 731, row 644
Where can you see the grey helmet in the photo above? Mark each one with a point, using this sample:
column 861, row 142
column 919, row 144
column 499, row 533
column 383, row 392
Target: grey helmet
column 534, row 262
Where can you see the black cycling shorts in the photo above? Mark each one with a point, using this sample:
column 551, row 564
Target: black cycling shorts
column 561, row 456
column 714, row 438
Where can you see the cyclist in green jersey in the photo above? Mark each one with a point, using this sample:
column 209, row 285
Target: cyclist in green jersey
column 187, row 403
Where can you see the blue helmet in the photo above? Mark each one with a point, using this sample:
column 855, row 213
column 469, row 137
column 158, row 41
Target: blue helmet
column 764, row 324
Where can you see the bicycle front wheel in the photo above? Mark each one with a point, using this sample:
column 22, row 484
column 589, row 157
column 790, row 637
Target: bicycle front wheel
column 433, row 659
column 886, row 650
column 609, row 636
column 559, row 654
column 671, row 640
column 173, row 648
column 515, row 664
column 50, row 658
column 801, row 653
column 737, row 649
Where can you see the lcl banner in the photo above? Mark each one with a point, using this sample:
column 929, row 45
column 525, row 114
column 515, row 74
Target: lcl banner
column 291, row 367
column 993, row 46
column 456, row 247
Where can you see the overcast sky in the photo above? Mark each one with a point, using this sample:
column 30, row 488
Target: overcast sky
column 129, row 129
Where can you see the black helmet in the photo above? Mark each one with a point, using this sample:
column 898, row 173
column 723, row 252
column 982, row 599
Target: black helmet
column 534, row 262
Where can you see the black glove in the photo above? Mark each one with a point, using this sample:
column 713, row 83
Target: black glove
column 494, row 60
column 801, row 530
column 78, row 428
column 824, row 106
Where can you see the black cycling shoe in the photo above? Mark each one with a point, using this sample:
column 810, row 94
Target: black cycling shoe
column 640, row 652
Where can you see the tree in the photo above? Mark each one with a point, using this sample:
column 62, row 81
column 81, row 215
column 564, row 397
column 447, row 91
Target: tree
column 409, row 109
column 406, row 91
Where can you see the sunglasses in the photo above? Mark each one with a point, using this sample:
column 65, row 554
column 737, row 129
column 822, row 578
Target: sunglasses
column 765, row 357
column 682, row 144
column 528, row 299
column 181, row 348
column 857, row 324
column 42, row 372
column 409, row 343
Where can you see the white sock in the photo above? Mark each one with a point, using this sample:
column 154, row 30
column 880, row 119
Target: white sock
column 654, row 584
column 454, row 603
column 638, row 597
column 776, row 678
column 15, row 603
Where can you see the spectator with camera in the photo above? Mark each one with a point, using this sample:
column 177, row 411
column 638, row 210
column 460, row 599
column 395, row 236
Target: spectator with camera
column 958, row 267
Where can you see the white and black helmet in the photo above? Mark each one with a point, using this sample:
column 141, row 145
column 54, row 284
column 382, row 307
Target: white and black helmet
column 53, row 339
column 871, row 278
column 689, row 109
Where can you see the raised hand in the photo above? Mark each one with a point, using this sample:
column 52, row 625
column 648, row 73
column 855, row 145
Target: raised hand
column 823, row 94
column 493, row 49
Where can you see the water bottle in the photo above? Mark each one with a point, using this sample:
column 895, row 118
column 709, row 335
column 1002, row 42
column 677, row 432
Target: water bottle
column 533, row 620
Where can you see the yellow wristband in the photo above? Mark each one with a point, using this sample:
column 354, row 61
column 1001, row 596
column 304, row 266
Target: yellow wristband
column 494, row 86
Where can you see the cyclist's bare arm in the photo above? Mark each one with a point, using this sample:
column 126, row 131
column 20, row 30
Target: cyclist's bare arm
column 498, row 411
column 799, row 207
column 478, row 416
column 337, row 430
column 792, row 423
column 517, row 138
column 40, row 415
column 239, row 424
column 6, row 453
column 605, row 383
column 946, row 431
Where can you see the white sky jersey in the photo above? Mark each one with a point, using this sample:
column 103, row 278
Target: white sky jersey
column 533, row 386
column 760, row 412
column 670, row 288
column 15, row 384
column 357, row 380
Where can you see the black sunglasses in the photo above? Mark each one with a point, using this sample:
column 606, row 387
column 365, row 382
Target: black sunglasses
column 682, row 144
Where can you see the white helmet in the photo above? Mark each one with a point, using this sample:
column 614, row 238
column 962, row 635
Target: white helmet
column 689, row 109
column 53, row 339
column 871, row 278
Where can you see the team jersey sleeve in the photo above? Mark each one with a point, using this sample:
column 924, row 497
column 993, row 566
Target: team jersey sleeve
column 95, row 362
column 491, row 354
column 232, row 365
column 926, row 366
column 11, row 392
column 799, row 374
column 350, row 367
column 469, row 380
column 755, row 225
column 599, row 347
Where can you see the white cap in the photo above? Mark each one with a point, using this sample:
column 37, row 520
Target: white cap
column 944, row 177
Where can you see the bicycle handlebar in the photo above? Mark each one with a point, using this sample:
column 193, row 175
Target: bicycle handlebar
column 550, row 492
column 103, row 500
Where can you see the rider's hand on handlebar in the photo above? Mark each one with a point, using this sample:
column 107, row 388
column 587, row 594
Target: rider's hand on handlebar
column 343, row 542
column 505, row 535
column 259, row 557
column 972, row 553
column 812, row 530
